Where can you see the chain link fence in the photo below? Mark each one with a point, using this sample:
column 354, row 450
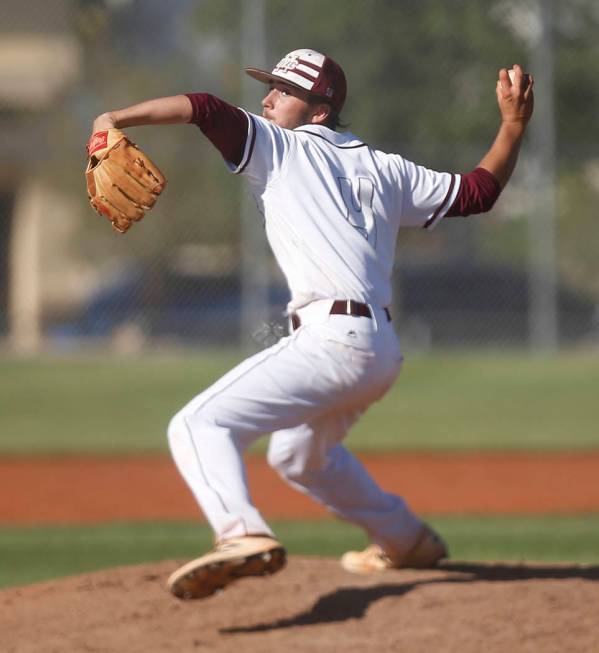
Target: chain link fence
column 421, row 79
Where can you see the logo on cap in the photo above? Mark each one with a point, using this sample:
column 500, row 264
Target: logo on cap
column 288, row 62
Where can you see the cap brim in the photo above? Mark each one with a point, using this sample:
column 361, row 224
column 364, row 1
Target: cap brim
column 268, row 78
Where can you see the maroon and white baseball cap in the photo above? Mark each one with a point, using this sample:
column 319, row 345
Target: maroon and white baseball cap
column 311, row 71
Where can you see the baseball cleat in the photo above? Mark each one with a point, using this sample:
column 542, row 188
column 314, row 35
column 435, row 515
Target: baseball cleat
column 228, row 561
column 426, row 553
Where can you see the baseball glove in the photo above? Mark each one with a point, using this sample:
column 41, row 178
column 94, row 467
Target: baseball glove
column 122, row 182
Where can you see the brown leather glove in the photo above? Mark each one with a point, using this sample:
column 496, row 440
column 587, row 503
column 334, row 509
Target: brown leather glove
column 122, row 182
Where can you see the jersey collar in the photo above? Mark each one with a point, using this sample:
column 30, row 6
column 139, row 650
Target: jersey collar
column 339, row 139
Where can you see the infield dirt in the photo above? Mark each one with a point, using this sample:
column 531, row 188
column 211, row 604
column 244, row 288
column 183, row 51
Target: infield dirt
column 312, row 605
column 40, row 490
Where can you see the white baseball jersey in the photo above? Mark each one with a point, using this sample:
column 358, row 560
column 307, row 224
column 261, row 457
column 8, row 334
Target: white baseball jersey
column 333, row 207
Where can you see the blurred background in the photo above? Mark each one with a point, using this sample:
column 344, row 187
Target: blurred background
column 197, row 272
column 103, row 336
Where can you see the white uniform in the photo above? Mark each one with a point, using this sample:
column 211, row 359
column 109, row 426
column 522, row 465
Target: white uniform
column 332, row 207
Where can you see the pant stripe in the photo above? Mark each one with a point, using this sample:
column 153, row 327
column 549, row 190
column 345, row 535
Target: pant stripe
column 199, row 461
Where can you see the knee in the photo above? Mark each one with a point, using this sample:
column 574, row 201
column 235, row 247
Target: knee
column 176, row 430
column 290, row 465
column 277, row 459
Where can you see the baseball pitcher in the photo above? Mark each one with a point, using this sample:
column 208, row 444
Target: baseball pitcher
column 333, row 206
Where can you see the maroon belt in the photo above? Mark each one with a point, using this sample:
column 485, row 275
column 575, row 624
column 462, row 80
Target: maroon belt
column 344, row 307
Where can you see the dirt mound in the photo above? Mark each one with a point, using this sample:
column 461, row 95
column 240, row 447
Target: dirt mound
column 312, row 605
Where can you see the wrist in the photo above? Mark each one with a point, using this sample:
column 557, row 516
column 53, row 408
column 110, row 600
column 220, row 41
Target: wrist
column 514, row 128
column 104, row 121
column 515, row 122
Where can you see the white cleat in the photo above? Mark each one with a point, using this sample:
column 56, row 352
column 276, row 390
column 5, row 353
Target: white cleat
column 228, row 561
column 428, row 550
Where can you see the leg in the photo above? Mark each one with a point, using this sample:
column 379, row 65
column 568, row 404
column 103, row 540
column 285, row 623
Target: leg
column 310, row 458
column 209, row 458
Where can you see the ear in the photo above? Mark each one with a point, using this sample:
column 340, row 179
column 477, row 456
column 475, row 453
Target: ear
column 320, row 114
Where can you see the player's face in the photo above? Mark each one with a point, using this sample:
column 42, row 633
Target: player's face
column 288, row 107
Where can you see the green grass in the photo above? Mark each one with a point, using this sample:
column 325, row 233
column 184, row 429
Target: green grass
column 492, row 401
column 506, row 401
column 99, row 405
column 32, row 554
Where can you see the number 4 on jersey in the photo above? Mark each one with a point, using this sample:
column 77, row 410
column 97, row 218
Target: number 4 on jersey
column 358, row 196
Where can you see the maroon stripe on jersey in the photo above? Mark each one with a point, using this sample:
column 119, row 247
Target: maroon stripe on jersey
column 224, row 125
column 478, row 192
column 436, row 214
column 310, row 65
column 251, row 148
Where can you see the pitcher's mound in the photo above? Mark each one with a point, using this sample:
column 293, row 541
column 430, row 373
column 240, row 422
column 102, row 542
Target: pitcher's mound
column 312, row 605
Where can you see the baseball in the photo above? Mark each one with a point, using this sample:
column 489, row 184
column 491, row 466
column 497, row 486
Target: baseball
column 525, row 77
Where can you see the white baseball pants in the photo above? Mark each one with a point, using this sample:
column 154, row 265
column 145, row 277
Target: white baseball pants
column 307, row 390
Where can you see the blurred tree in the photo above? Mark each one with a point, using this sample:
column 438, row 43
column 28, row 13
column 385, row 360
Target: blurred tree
column 578, row 198
column 421, row 77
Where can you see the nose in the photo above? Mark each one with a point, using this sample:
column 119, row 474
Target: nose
column 268, row 100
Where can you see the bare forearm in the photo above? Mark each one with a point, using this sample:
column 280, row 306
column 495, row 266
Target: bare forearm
column 501, row 158
column 161, row 111
column 224, row 125
column 515, row 98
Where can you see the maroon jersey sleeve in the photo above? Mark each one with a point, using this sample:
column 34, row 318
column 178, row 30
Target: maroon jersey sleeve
column 224, row 125
column 478, row 192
